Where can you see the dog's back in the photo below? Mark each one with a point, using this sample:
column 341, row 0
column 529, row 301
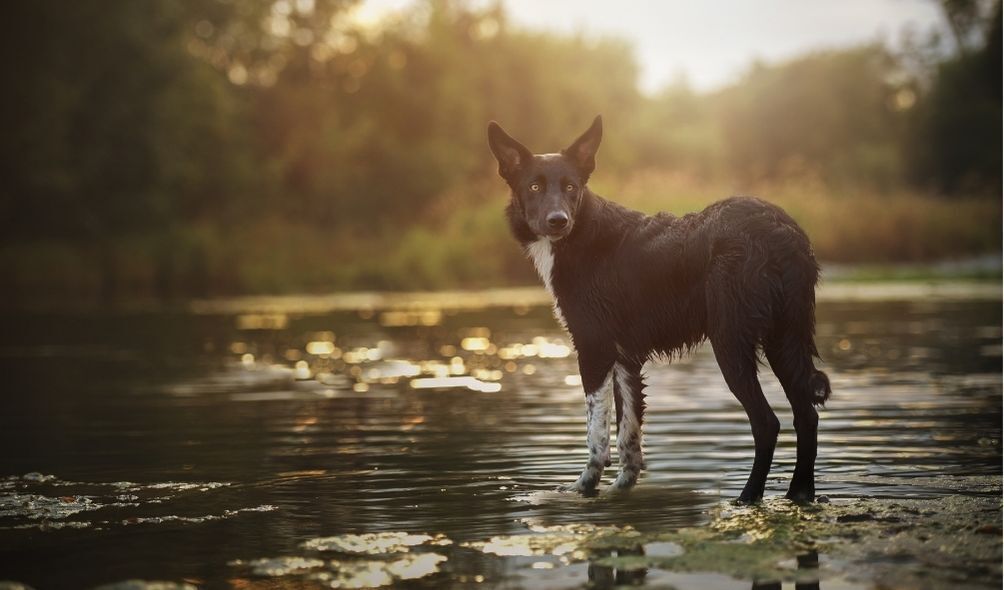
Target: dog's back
column 644, row 280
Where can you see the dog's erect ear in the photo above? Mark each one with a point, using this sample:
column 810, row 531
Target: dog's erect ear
column 510, row 153
column 583, row 150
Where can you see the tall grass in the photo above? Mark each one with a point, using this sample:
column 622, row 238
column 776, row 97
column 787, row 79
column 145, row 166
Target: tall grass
column 462, row 241
column 846, row 225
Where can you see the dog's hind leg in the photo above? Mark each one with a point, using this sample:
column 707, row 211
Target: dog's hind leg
column 735, row 314
column 790, row 357
column 806, row 420
column 739, row 370
column 630, row 398
column 739, row 307
column 790, row 347
column 599, row 389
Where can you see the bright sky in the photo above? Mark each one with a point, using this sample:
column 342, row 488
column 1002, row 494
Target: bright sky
column 712, row 42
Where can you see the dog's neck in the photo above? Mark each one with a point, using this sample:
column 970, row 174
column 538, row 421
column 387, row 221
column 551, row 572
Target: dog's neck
column 599, row 227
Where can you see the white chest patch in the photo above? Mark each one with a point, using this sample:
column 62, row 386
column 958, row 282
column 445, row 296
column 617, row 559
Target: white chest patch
column 543, row 259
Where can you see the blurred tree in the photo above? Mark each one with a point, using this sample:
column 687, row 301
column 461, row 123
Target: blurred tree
column 833, row 115
column 112, row 123
column 148, row 132
column 678, row 131
column 967, row 20
column 382, row 122
column 112, row 129
column 955, row 143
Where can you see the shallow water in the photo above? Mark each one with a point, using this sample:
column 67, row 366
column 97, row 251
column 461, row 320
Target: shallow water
column 267, row 445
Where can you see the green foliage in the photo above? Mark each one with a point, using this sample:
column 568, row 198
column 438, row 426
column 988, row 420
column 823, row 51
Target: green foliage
column 210, row 146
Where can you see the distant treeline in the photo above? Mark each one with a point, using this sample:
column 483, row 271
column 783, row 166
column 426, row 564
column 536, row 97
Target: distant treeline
column 144, row 141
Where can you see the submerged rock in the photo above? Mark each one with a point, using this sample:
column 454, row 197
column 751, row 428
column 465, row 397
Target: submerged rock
column 40, row 507
column 569, row 542
column 373, row 543
column 280, row 566
column 37, row 477
column 376, row 573
column 146, row 585
column 364, row 560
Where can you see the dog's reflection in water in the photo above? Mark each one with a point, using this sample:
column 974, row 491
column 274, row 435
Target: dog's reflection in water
column 806, row 561
column 602, row 577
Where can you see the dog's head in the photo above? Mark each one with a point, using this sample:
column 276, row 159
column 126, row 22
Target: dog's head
column 546, row 188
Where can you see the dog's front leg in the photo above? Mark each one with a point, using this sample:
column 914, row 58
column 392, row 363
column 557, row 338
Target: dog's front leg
column 599, row 401
column 630, row 402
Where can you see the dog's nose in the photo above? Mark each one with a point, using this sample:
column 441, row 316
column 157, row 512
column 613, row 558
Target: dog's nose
column 557, row 220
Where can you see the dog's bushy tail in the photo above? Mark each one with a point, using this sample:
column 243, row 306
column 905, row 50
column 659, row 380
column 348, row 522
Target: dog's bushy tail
column 819, row 385
column 791, row 346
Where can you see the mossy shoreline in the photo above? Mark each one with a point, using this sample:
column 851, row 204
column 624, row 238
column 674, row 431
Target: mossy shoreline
column 947, row 542
column 950, row 541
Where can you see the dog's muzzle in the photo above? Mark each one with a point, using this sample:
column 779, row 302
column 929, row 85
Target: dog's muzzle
column 558, row 225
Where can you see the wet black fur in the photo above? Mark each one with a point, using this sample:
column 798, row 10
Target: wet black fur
column 741, row 273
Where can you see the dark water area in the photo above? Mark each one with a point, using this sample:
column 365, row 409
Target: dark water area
column 420, row 446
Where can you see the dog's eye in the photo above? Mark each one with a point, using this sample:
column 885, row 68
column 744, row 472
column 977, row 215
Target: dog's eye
column 569, row 188
column 535, row 187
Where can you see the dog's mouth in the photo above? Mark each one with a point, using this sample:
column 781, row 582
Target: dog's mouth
column 556, row 234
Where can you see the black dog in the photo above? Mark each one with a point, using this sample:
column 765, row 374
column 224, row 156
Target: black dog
column 629, row 287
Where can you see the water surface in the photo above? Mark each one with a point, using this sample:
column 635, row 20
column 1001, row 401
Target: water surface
column 273, row 445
